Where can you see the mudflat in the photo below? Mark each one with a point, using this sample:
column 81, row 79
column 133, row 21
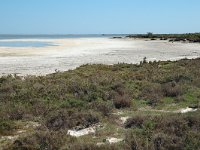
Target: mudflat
column 69, row 53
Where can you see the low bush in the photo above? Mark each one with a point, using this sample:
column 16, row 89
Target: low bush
column 82, row 97
column 163, row 141
column 175, row 125
column 17, row 113
column 132, row 142
column 68, row 120
column 192, row 140
column 135, row 122
column 105, row 108
column 172, row 90
column 92, row 146
column 42, row 140
column 122, row 101
column 6, row 127
column 152, row 93
column 163, row 132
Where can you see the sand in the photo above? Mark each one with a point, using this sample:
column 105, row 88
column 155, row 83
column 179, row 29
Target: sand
column 71, row 53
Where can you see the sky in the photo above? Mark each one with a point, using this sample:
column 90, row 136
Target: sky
column 99, row 16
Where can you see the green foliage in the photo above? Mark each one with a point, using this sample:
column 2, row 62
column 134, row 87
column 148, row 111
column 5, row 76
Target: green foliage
column 164, row 132
column 88, row 95
column 70, row 119
column 71, row 103
column 42, row 140
column 6, row 127
column 191, row 37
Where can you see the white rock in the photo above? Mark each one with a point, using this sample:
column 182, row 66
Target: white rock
column 9, row 137
column 21, row 131
column 101, row 143
column 82, row 132
column 124, row 119
column 187, row 110
column 112, row 140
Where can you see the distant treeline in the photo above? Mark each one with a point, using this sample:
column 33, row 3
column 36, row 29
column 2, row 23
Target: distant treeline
column 190, row 37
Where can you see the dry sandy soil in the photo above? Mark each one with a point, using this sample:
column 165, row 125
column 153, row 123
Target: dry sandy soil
column 71, row 53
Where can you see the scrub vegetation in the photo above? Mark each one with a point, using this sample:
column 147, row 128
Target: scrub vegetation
column 148, row 94
column 189, row 37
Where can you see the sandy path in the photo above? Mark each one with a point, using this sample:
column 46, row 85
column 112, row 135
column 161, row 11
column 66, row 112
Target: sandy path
column 71, row 53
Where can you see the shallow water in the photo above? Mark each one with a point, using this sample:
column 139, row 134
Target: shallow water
column 63, row 36
column 24, row 44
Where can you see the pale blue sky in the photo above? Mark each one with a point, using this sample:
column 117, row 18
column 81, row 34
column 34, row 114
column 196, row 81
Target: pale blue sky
column 98, row 16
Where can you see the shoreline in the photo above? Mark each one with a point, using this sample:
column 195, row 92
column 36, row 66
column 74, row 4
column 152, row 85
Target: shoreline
column 72, row 53
column 90, row 64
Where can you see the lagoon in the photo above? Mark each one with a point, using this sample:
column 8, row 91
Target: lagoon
column 24, row 44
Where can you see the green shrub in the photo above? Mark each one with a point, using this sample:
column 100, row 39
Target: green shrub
column 192, row 140
column 172, row 90
column 72, row 103
column 104, row 107
column 122, row 101
column 75, row 99
column 175, row 125
column 163, row 141
column 132, row 142
column 6, row 127
column 68, row 120
column 152, row 93
column 135, row 122
column 42, row 140
column 92, row 146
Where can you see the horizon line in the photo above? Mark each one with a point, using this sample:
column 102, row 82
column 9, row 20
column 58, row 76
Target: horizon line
column 63, row 34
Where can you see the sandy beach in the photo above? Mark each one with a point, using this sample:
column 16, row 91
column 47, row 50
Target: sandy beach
column 70, row 53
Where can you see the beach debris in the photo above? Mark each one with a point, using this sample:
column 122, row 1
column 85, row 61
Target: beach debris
column 113, row 140
column 186, row 110
column 100, row 143
column 81, row 132
column 124, row 119
column 110, row 140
